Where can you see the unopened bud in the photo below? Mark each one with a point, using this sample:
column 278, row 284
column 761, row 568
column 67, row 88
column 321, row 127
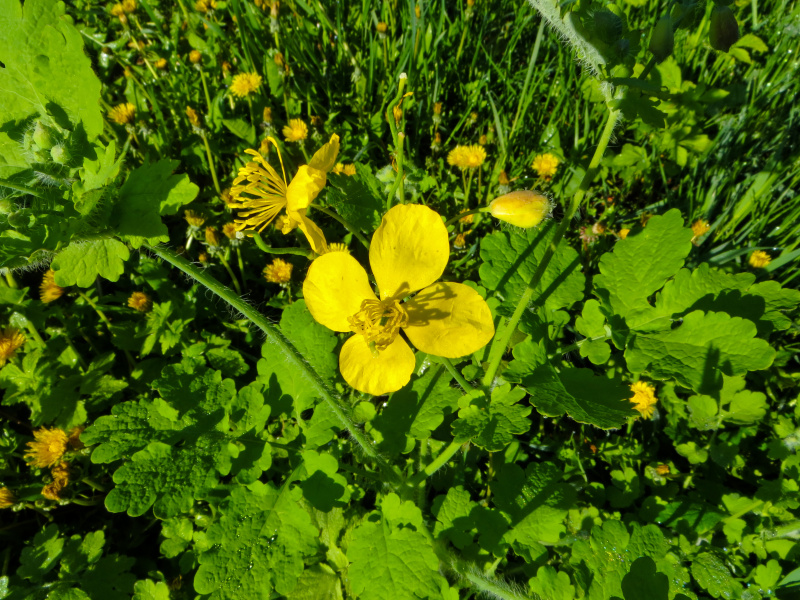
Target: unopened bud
column 60, row 154
column 724, row 29
column 523, row 208
column 662, row 41
column 41, row 136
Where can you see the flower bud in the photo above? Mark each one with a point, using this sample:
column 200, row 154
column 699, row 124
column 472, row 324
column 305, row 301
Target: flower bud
column 41, row 136
column 60, row 154
column 662, row 41
column 724, row 29
column 524, row 208
column 608, row 26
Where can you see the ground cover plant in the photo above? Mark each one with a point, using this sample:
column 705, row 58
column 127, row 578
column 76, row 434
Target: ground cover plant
column 399, row 299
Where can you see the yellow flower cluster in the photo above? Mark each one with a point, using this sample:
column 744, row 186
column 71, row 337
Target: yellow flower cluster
column 342, row 169
column 467, row 157
column 245, row 84
column 10, row 341
column 122, row 114
column 545, row 165
column 644, row 398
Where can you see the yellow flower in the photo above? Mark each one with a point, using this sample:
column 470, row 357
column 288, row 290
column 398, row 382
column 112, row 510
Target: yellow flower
column 279, row 271
column 644, row 398
column 194, row 219
column 623, row 233
column 483, row 140
column 760, row 259
column 295, row 131
column 129, row 5
column 409, row 252
column 195, row 57
column 382, row 27
column 245, row 84
column 545, row 165
column 122, row 114
column 229, row 230
column 467, row 220
column 268, row 193
column 467, row 157
column 194, row 118
column 202, row 257
column 212, row 237
column 662, row 469
column 52, row 491
column 48, row 447
column 337, row 247
column 7, row 499
column 349, row 170
column 460, row 241
column 140, row 301
column 266, row 115
column 118, row 11
column 49, row 291
column 523, row 208
column 10, row 341
column 699, row 228
column 205, row 5
column 60, row 474
column 161, row 63
column 75, row 437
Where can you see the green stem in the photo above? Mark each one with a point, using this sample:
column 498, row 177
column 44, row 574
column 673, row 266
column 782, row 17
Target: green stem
column 211, row 164
column 465, row 385
column 488, row 585
column 459, row 216
column 227, row 266
column 270, row 250
column 205, row 91
column 19, row 188
column 277, row 340
column 344, row 223
column 503, row 338
column 437, row 463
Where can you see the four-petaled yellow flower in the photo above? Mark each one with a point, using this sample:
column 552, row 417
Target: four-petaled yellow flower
column 279, row 271
column 48, row 447
column 467, row 157
column 10, row 341
column 545, row 165
column 295, row 131
column 122, row 114
column 245, row 84
column 409, row 252
column 49, row 290
column 644, row 398
column 760, row 259
column 259, row 193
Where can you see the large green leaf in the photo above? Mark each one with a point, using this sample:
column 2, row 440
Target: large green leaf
column 82, row 261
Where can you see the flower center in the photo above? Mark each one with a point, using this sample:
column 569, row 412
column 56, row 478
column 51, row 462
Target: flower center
column 379, row 321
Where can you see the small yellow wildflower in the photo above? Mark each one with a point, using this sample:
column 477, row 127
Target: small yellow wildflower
column 194, row 118
column 161, row 63
column 523, row 208
column 7, row 499
column 545, row 165
column 212, row 237
column 460, row 241
column 662, row 469
column 381, row 27
column 229, row 230
column 699, row 228
column 140, row 301
column 48, row 447
column 127, row 73
column 349, row 170
column 194, row 219
column 52, row 491
column 759, row 259
column 202, row 257
column 295, row 131
column 623, row 233
column 437, row 108
column 226, row 68
column 244, row 84
column 122, row 114
column 644, row 398
column 409, row 252
column 11, row 340
column 267, row 115
column 204, row 6
column 279, row 271
column 483, row 140
column 472, row 119
column 118, row 11
column 49, row 290
column 467, row 157
column 268, row 193
column 263, row 149
column 129, row 5
column 195, row 56
column 338, row 168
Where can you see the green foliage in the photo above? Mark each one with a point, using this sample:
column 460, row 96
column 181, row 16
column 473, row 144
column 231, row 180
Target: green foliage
column 81, row 262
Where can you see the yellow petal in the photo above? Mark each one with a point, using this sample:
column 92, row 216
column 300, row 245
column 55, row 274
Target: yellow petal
column 314, row 235
column 304, row 187
column 334, row 289
column 387, row 372
column 324, row 159
column 409, row 251
column 449, row 319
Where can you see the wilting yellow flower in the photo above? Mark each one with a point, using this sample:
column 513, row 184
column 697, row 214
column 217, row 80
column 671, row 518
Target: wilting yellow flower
column 140, row 301
column 699, row 228
column 460, row 241
column 644, row 398
column 229, row 230
column 60, row 473
column 467, row 220
column 295, row 131
column 467, row 157
column 212, row 237
column 49, row 291
column 244, row 84
column 267, row 193
column 760, row 259
column 279, row 271
column 7, row 499
column 202, row 257
column 545, row 165
column 75, row 437
column 10, row 341
column 409, row 252
column 266, row 115
column 263, row 149
column 437, row 108
column 194, row 118
column 382, row 27
column 523, row 208
column 161, row 63
column 195, row 57
column 226, row 67
column 483, row 140
column 122, row 114
column 502, row 179
column 48, row 447
column 52, row 491
column 194, row 219
column 397, row 113
column 205, row 5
